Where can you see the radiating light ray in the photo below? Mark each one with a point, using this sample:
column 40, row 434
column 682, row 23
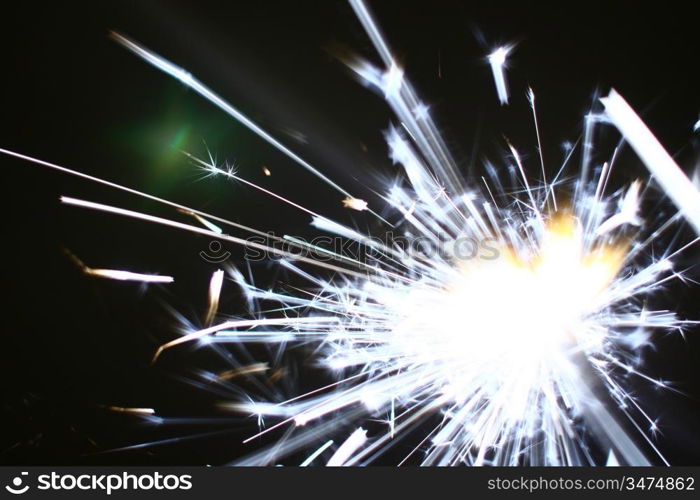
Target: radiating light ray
column 589, row 123
column 662, row 166
column 184, row 209
column 424, row 131
column 210, row 167
column 316, row 453
column 244, row 370
column 187, row 79
column 351, row 444
column 531, row 98
column 193, row 229
column 203, row 217
column 117, row 274
column 136, row 411
column 209, row 225
column 240, row 324
column 215, row 285
column 498, row 61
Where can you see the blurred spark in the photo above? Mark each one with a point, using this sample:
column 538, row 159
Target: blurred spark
column 662, row 166
column 498, row 59
column 355, row 204
column 137, row 411
column 120, row 275
column 345, row 451
column 215, row 284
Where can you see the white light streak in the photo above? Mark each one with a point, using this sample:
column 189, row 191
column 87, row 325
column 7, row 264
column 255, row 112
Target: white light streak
column 345, row 451
column 662, row 166
column 114, row 274
column 628, row 214
column 498, row 61
column 215, row 284
column 316, row 453
column 209, row 225
column 119, row 275
column 187, row 79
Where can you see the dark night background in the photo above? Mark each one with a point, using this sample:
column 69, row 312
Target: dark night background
column 70, row 95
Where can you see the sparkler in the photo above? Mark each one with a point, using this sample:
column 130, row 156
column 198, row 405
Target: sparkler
column 514, row 355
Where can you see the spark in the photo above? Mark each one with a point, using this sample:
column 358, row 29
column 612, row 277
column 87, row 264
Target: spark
column 215, row 285
column 244, row 370
column 68, row 200
column 662, row 166
column 200, row 334
column 498, row 59
column 317, row 453
column 392, row 81
column 187, row 79
column 355, row 204
column 351, row 444
column 117, row 274
column 136, row 411
column 612, row 460
column 206, row 223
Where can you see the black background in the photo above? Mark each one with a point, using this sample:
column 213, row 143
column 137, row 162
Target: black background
column 72, row 96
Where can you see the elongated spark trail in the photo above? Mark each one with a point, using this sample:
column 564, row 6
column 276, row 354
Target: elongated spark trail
column 345, row 451
column 119, row 275
column 187, row 79
column 215, row 285
column 675, row 183
column 129, row 276
column 498, row 60
column 518, row 353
